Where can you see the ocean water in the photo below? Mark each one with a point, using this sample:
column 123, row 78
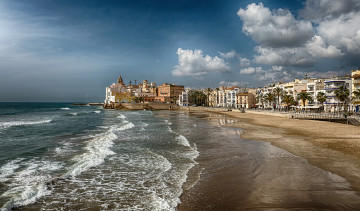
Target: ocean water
column 55, row 156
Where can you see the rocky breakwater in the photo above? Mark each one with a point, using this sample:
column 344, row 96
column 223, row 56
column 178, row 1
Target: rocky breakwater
column 141, row 106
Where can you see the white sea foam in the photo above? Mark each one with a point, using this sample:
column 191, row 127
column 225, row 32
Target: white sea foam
column 98, row 112
column 64, row 108
column 98, row 148
column 29, row 184
column 183, row 141
column 73, row 114
column 124, row 127
column 121, row 116
column 8, row 169
column 4, row 125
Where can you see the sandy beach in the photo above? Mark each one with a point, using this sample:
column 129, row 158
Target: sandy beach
column 269, row 162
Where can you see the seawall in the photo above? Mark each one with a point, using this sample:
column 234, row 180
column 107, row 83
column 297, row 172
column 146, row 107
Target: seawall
column 141, row 106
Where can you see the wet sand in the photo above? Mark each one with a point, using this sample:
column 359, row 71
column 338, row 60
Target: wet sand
column 276, row 163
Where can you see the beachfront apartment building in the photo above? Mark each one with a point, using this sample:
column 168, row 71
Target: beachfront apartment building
column 226, row 97
column 184, row 98
column 169, row 92
column 332, row 103
column 313, row 87
column 355, row 79
column 245, row 100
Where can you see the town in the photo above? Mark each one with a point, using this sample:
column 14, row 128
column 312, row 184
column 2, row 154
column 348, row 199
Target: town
column 339, row 93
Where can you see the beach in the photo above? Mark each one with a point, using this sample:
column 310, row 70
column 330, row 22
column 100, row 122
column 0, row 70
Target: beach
column 269, row 162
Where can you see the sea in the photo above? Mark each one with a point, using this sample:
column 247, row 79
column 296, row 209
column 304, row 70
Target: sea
column 57, row 156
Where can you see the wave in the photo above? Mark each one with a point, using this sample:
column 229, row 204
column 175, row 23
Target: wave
column 73, row 114
column 98, row 112
column 183, row 141
column 98, row 148
column 29, row 184
column 121, row 116
column 4, row 125
column 8, row 169
column 64, row 108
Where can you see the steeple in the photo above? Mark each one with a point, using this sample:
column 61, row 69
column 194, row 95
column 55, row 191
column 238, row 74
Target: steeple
column 120, row 81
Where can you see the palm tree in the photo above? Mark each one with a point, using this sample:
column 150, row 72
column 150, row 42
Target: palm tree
column 278, row 92
column 270, row 97
column 288, row 100
column 342, row 94
column 208, row 92
column 321, row 97
column 304, row 96
column 357, row 94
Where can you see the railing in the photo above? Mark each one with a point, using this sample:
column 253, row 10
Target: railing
column 305, row 114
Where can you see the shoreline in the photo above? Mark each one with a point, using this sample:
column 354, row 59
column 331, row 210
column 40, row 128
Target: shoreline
column 332, row 147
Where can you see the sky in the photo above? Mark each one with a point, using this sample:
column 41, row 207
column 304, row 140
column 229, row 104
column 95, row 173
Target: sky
column 70, row 50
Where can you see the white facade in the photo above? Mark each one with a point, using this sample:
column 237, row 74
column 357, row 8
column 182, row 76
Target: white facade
column 184, row 98
column 332, row 103
column 108, row 96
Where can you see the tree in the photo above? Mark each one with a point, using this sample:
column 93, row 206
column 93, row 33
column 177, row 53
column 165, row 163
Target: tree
column 321, row 97
column 304, row 96
column 270, row 97
column 288, row 100
column 196, row 97
column 208, row 92
column 278, row 92
column 342, row 94
column 136, row 99
column 356, row 94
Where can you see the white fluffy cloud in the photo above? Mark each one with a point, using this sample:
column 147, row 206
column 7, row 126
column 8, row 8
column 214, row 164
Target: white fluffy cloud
column 250, row 70
column 284, row 56
column 274, row 29
column 342, row 32
column 244, row 62
column 228, row 55
column 230, row 84
column 319, row 9
column 330, row 30
column 318, row 48
column 194, row 63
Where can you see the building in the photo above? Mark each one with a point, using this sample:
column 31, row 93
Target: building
column 332, row 103
column 355, row 77
column 169, row 92
column 245, row 100
column 184, row 98
column 313, row 87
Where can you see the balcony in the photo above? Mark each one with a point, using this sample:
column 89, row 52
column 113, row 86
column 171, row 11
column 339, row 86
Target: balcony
column 356, row 81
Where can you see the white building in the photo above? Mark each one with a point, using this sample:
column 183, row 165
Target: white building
column 184, row 98
column 109, row 98
column 332, row 103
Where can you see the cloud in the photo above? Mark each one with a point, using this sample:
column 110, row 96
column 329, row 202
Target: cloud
column 231, row 84
column 284, row 56
column 328, row 74
column 194, row 63
column 316, row 10
column 228, row 55
column 250, row 70
column 342, row 32
column 330, row 30
column 317, row 48
column 274, row 29
column 244, row 62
